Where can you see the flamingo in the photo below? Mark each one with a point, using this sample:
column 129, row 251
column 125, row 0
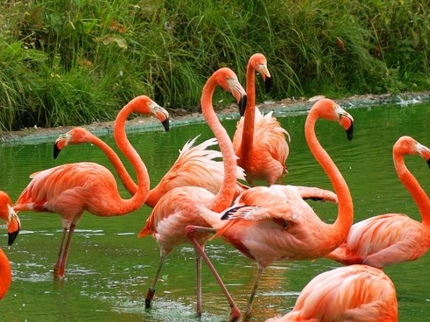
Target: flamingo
column 391, row 238
column 71, row 189
column 195, row 165
column 260, row 141
column 7, row 213
column 357, row 293
column 178, row 208
column 269, row 224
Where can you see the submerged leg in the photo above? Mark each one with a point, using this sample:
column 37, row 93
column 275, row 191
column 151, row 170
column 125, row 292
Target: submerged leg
column 151, row 290
column 248, row 312
column 199, row 284
column 235, row 312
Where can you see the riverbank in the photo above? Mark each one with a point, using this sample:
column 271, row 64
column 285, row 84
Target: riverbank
column 179, row 117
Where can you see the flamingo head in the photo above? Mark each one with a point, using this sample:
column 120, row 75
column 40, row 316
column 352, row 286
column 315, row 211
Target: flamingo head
column 8, row 214
column 144, row 105
column 76, row 135
column 227, row 79
column 259, row 63
column 407, row 145
column 330, row 110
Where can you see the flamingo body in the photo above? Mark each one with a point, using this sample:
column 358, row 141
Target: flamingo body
column 71, row 189
column 357, row 293
column 260, row 141
column 391, row 238
column 178, row 207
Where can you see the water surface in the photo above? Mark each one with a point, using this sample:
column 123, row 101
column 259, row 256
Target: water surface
column 109, row 269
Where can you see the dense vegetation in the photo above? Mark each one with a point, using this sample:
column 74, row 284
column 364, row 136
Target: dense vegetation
column 71, row 62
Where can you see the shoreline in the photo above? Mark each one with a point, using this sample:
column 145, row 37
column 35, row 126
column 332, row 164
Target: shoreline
column 181, row 117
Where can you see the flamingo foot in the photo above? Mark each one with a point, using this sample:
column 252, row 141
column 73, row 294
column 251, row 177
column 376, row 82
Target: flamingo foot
column 149, row 297
column 234, row 314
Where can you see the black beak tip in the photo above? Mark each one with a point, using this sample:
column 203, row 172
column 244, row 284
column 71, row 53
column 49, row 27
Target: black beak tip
column 428, row 162
column 56, row 151
column 166, row 125
column 12, row 237
column 350, row 132
column 268, row 84
column 242, row 105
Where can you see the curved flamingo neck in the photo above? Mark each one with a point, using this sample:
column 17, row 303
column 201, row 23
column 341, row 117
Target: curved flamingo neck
column 123, row 174
column 5, row 274
column 412, row 185
column 249, row 117
column 131, row 154
column 345, row 214
column 225, row 195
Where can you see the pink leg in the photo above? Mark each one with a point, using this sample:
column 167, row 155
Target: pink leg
column 248, row 313
column 151, row 290
column 60, row 255
column 60, row 269
column 199, row 284
column 235, row 312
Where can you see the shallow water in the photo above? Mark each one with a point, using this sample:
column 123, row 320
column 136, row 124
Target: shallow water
column 109, row 269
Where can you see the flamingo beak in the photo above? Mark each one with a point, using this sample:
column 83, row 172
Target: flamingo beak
column 59, row 144
column 268, row 82
column 347, row 123
column 242, row 104
column 13, row 227
column 166, row 124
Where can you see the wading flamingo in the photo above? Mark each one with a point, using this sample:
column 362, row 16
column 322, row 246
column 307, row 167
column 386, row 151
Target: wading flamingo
column 178, row 208
column 71, row 189
column 195, row 165
column 391, row 238
column 260, row 141
column 269, row 224
column 357, row 293
column 10, row 217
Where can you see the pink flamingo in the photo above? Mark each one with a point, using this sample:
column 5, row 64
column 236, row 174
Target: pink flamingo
column 195, row 165
column 178, row 208
column 260, row 141
column 10, row 217
column 391, row 238
column 71, row 189
column 269, row 224
column 351, row 293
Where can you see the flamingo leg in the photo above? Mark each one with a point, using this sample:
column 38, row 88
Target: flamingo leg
column 151, row 290
column 235, row 312
column 60, row 254
column 199, row 284
column 60, row 265
column 248, row 312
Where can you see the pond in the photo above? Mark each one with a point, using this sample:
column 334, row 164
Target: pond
column 109, row 269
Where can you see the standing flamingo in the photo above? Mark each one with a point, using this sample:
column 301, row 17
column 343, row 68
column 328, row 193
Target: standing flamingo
column 7, row 214
column 357, row 293
column 391, row 238
column 269, row 224
column 195, row 166
column 260, row 141
column 71, row 189
column 178, row 208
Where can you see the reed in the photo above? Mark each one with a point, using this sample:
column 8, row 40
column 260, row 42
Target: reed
column 74, row 62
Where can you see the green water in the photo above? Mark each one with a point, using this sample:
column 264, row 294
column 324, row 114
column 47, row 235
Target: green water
column 109, row 269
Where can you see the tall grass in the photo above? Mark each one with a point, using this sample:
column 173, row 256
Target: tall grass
column 71, row 62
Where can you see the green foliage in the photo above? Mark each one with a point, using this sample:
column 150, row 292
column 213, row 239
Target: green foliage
column 70, row 62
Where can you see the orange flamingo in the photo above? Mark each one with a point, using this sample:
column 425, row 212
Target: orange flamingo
column 7, row 214
column 391, row 238
column 178, row 208
column 71, row 189
column 351, row 293
column 195, row 166
column 273, row 223
column 260, row 141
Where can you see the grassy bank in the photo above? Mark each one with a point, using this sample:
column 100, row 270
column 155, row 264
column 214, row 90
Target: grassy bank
column 72, row 62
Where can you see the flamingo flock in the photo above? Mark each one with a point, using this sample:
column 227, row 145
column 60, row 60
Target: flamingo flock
column 202, row 197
